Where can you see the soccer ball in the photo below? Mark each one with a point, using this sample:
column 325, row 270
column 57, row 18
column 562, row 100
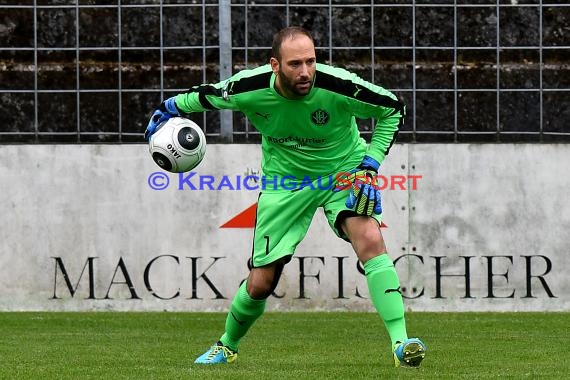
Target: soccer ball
column 178, row 145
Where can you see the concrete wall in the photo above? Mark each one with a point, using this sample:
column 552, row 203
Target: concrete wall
column 81, row 229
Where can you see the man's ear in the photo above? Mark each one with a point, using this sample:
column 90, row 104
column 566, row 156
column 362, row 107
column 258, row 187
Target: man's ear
column 274, row 65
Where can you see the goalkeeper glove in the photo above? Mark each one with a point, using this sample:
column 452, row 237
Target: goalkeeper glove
column 165, row 111
column 364, row 195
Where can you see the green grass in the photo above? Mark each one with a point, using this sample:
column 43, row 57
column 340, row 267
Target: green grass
column 280, row 346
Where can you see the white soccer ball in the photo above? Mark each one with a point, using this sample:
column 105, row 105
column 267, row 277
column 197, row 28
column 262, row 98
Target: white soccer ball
column 178, row 145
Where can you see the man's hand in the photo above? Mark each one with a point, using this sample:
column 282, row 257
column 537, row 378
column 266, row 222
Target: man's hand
column 364, row 194
column 165, row 111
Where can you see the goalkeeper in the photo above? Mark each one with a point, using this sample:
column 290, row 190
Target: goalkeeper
column 305, row 112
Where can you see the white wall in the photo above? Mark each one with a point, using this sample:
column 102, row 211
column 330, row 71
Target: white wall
column 486, row 229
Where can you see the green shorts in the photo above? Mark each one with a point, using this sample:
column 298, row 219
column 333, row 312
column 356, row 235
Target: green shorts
column 284, row 216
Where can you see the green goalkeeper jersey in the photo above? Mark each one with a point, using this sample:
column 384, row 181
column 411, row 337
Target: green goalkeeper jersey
column 312, row 136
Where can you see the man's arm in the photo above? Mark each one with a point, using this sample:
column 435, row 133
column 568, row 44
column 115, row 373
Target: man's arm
column 228, row 94
column 366, row 100
column 207, row 97
column 372, row 101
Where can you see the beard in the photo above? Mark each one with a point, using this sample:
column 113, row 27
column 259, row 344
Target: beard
column 298, row 88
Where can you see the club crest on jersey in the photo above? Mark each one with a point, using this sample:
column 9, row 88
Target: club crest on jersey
column 320, row 117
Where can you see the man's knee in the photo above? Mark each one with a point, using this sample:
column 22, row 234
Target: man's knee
column 258, row 290
column 365, row 237
column 262, row 281
column 370, row 237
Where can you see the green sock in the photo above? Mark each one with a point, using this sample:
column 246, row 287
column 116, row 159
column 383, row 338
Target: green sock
column 381, row 277
column 243, row 313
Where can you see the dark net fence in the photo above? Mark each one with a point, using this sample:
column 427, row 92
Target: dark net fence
column 86, row 71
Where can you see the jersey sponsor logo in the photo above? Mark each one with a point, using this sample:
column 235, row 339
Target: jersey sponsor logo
column 296, row 139
column 296, row 142
column 320, row 117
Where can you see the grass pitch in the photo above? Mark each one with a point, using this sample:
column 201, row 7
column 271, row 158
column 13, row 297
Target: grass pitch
column 280, row 346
